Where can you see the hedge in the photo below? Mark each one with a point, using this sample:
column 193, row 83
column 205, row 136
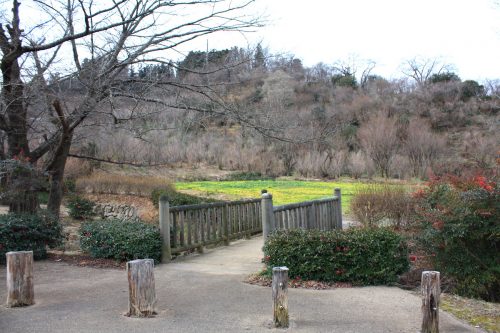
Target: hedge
column 26, row 232
column 120, row 239
column 358, row 256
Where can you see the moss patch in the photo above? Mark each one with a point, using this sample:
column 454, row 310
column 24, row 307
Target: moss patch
column 476, row 312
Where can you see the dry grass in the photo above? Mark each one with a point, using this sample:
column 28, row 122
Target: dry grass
column 76, row 168
column 104, row 183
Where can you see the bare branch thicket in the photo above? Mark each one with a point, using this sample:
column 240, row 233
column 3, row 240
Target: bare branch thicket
column 379, row 139
column 422, row 146
column 482, row 150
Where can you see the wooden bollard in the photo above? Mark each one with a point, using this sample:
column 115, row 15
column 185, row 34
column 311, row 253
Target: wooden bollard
column 280, row 296
column 141, row 287
column 20, row 290
column 431, row 291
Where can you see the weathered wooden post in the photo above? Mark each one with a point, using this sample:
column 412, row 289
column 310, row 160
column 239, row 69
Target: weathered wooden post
column 166, row 251
column 267, row 215
column 225, row 223
column 431, row 291
column 337, row 193
column 141, row 287
column 280, row 296
column 20, row 290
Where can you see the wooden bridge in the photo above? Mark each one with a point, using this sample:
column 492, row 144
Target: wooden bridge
column 191, row 227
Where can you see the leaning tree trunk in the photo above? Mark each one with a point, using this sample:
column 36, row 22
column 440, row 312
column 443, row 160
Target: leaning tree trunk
column 15, row 127
column 56, row 172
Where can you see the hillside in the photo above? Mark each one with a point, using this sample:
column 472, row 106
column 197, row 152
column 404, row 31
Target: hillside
column 271, row 115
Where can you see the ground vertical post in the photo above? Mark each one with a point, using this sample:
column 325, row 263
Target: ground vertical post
column 166, row 251
column 20, row 289
column 431, row 290
column 337, row 193
column 267, row 215
column 225, row 223
column 280, row 297
column 141, row 286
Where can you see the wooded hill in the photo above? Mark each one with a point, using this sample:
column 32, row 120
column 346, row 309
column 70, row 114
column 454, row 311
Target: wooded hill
column 255, row 112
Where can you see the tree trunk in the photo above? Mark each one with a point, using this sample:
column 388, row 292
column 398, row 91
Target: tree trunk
column 22, row 189
column 141, row 286
column 12, row 94
column 20, row 291
column 15, row 117
column 56, row 172
column 2, row 148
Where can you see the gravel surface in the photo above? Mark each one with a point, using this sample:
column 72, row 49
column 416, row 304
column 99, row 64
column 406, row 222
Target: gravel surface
column 207, row 293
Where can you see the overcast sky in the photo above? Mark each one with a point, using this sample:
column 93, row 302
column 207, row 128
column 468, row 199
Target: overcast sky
column 464, row 33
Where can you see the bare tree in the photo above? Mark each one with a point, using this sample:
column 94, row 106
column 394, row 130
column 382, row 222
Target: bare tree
column 46, row 97
column 421, row 69
column 356, row 68
column 380, row 141
column 319, row 73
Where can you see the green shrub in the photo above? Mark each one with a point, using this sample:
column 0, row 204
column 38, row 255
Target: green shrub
column 460, row 230
column 120, row 239
column 177, row 198
column 359, row 256
column 25, row 232
column 80, row 208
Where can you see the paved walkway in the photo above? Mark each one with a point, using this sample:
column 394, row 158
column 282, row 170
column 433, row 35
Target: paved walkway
column 205, row 293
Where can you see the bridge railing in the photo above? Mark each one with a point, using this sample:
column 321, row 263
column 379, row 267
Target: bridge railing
column 318, row 214
column 195, row 226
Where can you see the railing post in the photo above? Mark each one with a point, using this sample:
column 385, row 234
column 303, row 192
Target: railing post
column 166, row 251
column 225, row 224
column 338, row 194
column 267, row 215
column 431, row 291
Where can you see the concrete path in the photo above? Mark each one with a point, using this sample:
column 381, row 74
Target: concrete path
column 205, row 293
